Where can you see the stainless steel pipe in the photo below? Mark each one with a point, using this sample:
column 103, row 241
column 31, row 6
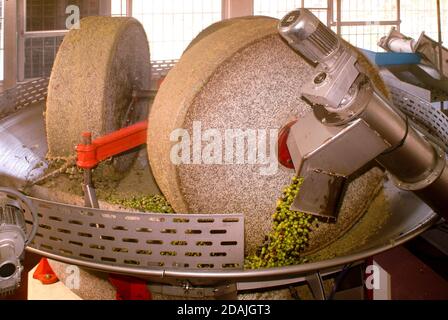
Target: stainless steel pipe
column 416, row 164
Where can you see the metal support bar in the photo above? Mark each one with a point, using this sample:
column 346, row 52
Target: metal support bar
column 129, row 8
column 316, row 285
column 21, row 26
column 90, row 198
column 10, row 44
column 338, row 17
column 44, row 34
column 237, row 8
column 330, row 8
column 368, row 23
column 439, row 26
column 141, row 94
column 185, row 289
column 105, row 8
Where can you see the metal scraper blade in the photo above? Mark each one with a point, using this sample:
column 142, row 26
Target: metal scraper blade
column 320, row 195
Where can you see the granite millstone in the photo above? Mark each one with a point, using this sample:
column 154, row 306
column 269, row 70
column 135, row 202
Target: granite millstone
column 241, row 76
column 92, row 80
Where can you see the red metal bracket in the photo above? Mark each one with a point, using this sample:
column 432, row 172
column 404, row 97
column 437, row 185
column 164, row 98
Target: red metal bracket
column 90, row 155
column 129, row 288
column 44, row 273
column 284, row 157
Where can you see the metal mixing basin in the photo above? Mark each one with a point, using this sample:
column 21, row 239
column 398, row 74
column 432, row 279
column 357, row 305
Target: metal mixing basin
column 22, row 156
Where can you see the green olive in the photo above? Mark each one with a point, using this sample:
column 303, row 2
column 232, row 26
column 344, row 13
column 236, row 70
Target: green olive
column 289, row 236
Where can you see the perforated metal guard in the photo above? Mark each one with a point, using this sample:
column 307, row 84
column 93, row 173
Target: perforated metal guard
column 24, row 94
column 421, row 111
column 159, row 69
column 164, row 241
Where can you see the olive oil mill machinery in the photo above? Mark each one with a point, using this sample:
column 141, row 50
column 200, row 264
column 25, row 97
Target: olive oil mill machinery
column 351, row 124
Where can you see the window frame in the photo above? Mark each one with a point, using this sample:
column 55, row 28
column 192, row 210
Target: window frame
column 14, row 48
column 104, row 9
column 338, row 24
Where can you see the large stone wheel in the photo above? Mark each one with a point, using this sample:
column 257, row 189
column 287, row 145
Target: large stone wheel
column 222, row 24
column 238, row 75
column 91, row 84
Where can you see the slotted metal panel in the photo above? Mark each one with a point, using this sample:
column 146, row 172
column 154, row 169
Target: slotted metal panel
column 165, row 241
column 23, row 95
column 160, row 69
column 421, row 111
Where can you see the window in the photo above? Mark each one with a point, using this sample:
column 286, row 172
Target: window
column 369, row 11
column 364, row 22
column 40, row 53
column 119, row 8
column 2, row 18
column 421, row 15
column 172, row 24
column 319, row 8
column 361, row 22
column 365, row 37
column 45, row 15
column 40, row 47
column 278, row 9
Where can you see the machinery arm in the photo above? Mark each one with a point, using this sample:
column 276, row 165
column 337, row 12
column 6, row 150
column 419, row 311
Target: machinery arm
column 91, row 154
column 352, row 124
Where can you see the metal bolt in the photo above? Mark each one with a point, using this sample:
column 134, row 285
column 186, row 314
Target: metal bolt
column 187, row 286
column 320, row 78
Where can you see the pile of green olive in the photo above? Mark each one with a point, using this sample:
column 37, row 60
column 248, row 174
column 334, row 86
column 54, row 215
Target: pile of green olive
column 289, row 237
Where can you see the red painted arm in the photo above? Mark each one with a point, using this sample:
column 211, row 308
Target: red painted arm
column 89, row 156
